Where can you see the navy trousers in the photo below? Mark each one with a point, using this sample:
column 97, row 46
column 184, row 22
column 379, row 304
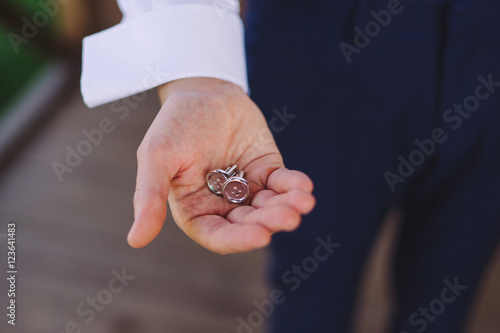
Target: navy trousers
column 383, row 103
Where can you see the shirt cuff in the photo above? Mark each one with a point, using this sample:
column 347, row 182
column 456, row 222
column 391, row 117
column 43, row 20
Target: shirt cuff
column 162, row 45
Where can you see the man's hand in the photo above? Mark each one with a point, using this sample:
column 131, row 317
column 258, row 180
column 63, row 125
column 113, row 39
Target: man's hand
column 207, row 124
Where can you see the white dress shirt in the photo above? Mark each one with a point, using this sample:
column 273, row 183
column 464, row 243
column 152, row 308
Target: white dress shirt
column 159, row 41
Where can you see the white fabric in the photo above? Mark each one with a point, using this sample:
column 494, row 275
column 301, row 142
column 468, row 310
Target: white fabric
column 159, row 41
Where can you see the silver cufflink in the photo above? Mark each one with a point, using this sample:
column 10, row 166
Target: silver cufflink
column 218, row 177
column 236, row 189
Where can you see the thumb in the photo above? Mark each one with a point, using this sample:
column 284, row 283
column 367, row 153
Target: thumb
column 150, row 200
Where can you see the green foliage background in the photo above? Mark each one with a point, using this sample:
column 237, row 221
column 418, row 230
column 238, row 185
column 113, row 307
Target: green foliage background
column 18, row 69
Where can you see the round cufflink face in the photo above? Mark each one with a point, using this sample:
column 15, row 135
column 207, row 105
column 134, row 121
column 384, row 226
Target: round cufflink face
column 236, row 190
column 216, row 180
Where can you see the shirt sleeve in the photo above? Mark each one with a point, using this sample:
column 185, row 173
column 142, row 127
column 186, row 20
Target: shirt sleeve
column 159, row 41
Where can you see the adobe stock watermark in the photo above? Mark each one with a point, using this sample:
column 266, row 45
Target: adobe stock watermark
column 88, row 309
column 292, row 278
column 373, row 28
column 256, row 143
column 40, row 19
column 420, row 320
column 454, row 116
column 94, row 137
column 223, row 6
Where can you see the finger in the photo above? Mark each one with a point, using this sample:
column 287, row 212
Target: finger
column 150, row 201
column 283, row 180
column 273, row 218
column 218, row 235
column 300, row 201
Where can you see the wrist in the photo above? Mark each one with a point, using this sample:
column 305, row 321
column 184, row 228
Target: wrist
column 198, row 85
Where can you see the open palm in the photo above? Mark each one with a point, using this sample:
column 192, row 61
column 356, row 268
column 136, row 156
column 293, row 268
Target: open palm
column 207, row 124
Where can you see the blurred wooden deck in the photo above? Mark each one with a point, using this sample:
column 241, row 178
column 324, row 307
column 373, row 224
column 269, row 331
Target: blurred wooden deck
column 71, row 235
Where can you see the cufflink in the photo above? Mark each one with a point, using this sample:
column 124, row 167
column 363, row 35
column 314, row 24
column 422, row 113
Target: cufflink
column 236, row 189
column 217, row 178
